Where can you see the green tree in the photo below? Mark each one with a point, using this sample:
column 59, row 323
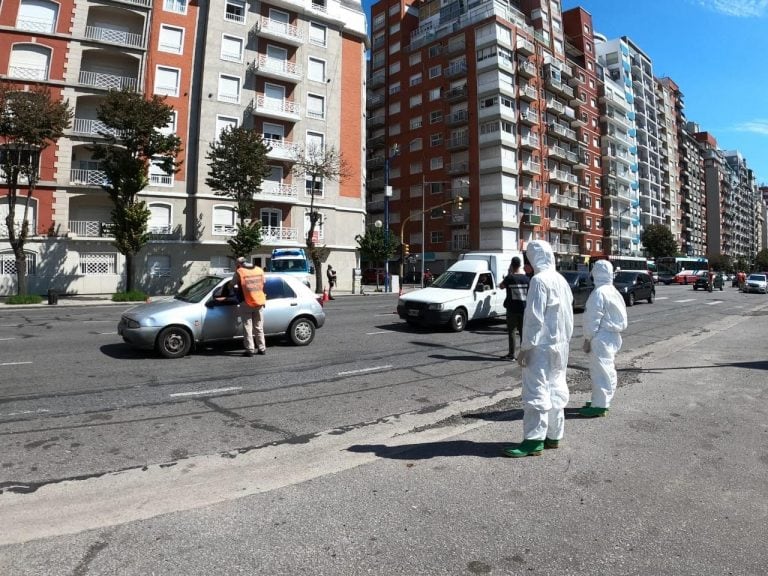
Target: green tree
column 720, row 262
column 30, row 121
column 133, row 138
column 318, row 164
column 658, row 241
column 761, row 260
column 238, row 166
column 374, row 247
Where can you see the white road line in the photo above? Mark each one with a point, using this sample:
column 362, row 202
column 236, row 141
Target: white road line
column 13, row 363
column 87, row 321
column 714, row 302
column 106, row 333
column 9, row 325
column 22, row 412
column 686, row 300
column 7, row 339
column 372, row 333
column 204, row 392
column 662, row 297
column 364, row 370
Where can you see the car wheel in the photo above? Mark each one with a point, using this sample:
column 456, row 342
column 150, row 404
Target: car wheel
column 174, row 342
column 412, row 323
column 651, row 297
column 458, row 320
column 695, row 287
column 302, row 331
column 631, row 299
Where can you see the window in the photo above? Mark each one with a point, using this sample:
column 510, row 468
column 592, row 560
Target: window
column 234, row 11
column 415, row 79
column 158, row 265
column 271, row 218
column 435, row 116
column 224, row 220
column 37, row 16
column 316, row 70
column 394, row 108
column 436, row 237
column 167, row 81
column 159, row 219
column 170, row 128
column 415, row 123
column 415, row 145
column 435, row 71
column 436, row 163
column 378, row 21
column 224, row 123
column 435, row 50
column 177, row 6
column 317, row 34
column 436, row 214
column 158, row 176
column 6, row 156
column 319, row 232
column 415, row 101
column 378, row 59
column 171, row 39
column 394, row 47
column 315, row 106
column 436, row 140
column 8, row 263
column 394, row 68
column 434, row 94
column 229, row 89
column 29, row 62
column 414, row 58
column 98, row 264
column 394, row 88
column 273, row 131
column 231, row 48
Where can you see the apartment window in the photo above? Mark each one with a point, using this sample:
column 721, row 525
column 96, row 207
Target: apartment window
column 415, row 100
column 94, row 264
column 435, row 116
column 394, row 47
column 435, row 71
column 395, row 28
column 271, row 217
column 437, row 236
column 435, row 187
column 434, row 94
column 316, row 70
column 229, row 89
column 159, row 218
column 167, row 81
column 171, row 39
column 273, row 132
column 30, row 62
column 436, row 140
column 394, row 108
column 415, row 79
column 224, row 123
column 414, row 168
column 37, row 16
column 170, row 128
column 8, row 264
column 415, row 145
column 414, row 59
column 221, row 265
column 315, row 106
column 317, row 34
column 177, row 6
column 436, row 163
column 394, row 88
column 436, row 214
column 234, row 11
column 378, row 59
column 379, row 20
column 224, row 218
column 231, row 48
column 159, row 265
column 435, row 50
column 394, row 9
column 415, row 123
column 394, row 68
column 158, row 176
column 319, row 231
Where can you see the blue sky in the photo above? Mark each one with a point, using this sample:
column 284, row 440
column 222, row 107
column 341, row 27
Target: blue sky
column 715, row 50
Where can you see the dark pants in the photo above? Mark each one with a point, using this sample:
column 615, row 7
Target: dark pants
column 514, row 321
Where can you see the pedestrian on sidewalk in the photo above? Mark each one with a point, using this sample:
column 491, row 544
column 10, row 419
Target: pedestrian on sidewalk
column 248, row 282
column 605, row 318
column 516, row 284
column 547, row 331
column 331, row 275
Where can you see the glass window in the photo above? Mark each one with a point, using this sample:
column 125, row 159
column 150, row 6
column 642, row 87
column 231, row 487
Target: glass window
column 177, row 6
column 234, row 11
column 315, row 106
column 159, row 265
column 159, row 219
column 98, row 264
column 435, row 71
column 158, row 176
column 224, row 122
column 8, row 262
column 316, row 70
column 229, row 89
column 224, row 219
column 317, row 34
column 37, row 16
column 232, row 48
column 167, row 81
column 171, row 39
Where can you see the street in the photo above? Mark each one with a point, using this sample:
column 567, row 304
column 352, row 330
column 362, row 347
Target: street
column 116, row 436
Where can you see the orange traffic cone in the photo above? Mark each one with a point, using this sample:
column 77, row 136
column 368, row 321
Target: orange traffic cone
column 325, row 295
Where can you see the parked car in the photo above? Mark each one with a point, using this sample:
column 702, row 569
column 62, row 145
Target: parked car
column 207, row 311
column 689, row 276
column 581, row 286
column 373, row 275
column 703, row 282
column 756, row 283
column 634, row 286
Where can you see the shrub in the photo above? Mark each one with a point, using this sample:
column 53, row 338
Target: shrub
column 132, row 296
column 24, row 299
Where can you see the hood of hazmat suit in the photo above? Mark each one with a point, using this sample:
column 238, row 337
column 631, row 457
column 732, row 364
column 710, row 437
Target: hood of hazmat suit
column 605, row 310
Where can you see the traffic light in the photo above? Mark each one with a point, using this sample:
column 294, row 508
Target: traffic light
column 459, row 201
column 406, row 249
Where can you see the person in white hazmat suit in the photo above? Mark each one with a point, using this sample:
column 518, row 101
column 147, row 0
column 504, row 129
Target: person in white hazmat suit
column 547, row 331
column 605, row 318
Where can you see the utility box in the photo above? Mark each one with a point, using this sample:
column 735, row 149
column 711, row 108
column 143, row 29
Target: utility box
column 394, row 283
column 357, row 281
column 53, row 297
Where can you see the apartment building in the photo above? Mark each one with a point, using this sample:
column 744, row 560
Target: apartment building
column 693, row 201
column 478, row 102
column 667, row 90
column 293, row 70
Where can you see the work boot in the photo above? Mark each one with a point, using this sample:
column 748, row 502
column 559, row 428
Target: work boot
column 587, row 404
column 593, row 412
column 526, row 448
column 550, row 444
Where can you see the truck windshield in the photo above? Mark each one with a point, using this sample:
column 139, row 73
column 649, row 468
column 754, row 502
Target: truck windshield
column 288, row 265
column 454, row 280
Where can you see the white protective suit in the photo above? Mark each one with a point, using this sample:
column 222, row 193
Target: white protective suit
column 547, row 330
column 605, row 317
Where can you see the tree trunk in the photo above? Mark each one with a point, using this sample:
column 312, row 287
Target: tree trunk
column 22, row 286
column 128, row 272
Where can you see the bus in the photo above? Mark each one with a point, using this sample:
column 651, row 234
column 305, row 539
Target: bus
column 637, row 263
column 669, row 266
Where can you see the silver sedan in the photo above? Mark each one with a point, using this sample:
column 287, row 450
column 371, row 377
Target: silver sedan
column 208, row 311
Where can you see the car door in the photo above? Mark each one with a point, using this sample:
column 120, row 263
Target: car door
column 643, row 287
column 281, row 306
column 221, row 314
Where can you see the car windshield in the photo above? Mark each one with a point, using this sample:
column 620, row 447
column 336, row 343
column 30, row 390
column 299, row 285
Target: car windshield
column 624, row 277
column 197, row 291
column 454, row 280
column 757, row 277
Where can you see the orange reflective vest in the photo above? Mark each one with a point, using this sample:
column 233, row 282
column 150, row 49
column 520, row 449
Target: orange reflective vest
column 251, row 281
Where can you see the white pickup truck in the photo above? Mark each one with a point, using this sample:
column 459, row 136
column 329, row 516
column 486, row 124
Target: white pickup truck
column 467, row 291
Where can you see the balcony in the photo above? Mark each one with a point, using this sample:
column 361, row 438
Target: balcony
column 529, row 140
column 277, row 234
column 376, row 141
column 375, row 101
column 456, row 94
column 275, row 68
column 559, row 87
column 457, row 168
column 563, row 176
column 530, row 192
column 375, row 162
column 376, row 121
column 88, row 177
column 530, row 167
column 277, row 192
column 455, row 69
column 527, row 92
column 555, row 106
column 276, row 30
column 526, row 69
column 281, row 149
column 87, row 127
column 114, row 36
column 90, row 229
column 457, row 142
column 377, row 80
column 457, row 118
column 276, row 108
column 531, row 219
column 529, row 116
column 562, row 131
column 524, row 46
column 564, row 200
column 107, row 81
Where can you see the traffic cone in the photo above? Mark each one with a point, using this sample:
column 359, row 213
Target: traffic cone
column 325, row 295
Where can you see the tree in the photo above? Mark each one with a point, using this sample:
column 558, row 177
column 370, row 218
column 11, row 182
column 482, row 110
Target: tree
column 318, row 164
column 30, row 121
column 133, row 139
column 719, row 262
column 238, row 166
column 373, row 247
column 658, row 241
column 761, row 260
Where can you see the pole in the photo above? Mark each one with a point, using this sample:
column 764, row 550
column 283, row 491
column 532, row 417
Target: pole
column 387, row 194
column 423, row 219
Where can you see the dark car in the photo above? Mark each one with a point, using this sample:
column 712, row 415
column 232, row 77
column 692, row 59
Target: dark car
column 634, row 286
column 703, row 282
column 581, row 286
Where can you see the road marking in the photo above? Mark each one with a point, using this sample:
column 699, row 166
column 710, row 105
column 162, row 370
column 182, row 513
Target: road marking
column 22, row 412
column 714, row 302
column 13, row 363
column 364, row 370
column 9, row 325
column 87, row 321
column 7, row 338
column 106, row 333
column 204, row 392
column 372, row 333
column 686, row 300
column 662, row 297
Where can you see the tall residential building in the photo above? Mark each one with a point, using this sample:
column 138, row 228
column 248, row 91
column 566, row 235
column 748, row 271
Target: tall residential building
column 293, row 70
column 667, row 92
column 693, row 200
column 478, row 102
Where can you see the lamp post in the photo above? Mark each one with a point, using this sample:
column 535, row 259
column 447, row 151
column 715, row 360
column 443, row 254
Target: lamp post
column 387, row 195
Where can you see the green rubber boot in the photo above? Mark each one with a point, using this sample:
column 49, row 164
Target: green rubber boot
column 550, row 444
column 593, row 412
column 587, row 404
column 526, row 448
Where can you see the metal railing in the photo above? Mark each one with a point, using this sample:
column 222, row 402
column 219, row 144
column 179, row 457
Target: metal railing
column 272, row 234
column 92, row 127
column 88, row 177
column 274, row 189
column 114, row 36
column 28, row 73
column 276, row 66
column 90, row 228
column 280, row 28
column 32, row 24
column 107, row 81
column 270, row 104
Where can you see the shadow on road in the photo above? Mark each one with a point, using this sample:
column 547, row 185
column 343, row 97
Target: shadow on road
column 429, row 450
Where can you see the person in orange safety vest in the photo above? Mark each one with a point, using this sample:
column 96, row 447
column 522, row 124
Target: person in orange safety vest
column 248, row 281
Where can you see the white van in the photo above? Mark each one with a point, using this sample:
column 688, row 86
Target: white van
column 468, row 290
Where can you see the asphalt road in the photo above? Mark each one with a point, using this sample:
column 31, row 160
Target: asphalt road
column 77, row 406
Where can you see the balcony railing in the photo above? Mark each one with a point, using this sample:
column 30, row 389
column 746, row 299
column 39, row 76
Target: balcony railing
column 107, row 81
column 88, row 177
column 114, row 36
column 285, row 149
column 273, row 234
column 92, row 127
column 161, row 179
column 90, row 228
column 277, row 66
column 282, row 191
column 32, row 24
column 28, row 73
column 279, row 28
column 17, row 228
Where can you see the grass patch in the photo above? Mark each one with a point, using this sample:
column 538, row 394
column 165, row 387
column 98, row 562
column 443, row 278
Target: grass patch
column 24, row 299
column 132, row 296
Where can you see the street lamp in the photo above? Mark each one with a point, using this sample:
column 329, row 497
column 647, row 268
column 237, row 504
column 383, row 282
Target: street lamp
column 387, row 195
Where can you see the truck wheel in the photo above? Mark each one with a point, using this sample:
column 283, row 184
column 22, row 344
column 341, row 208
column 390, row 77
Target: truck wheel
column 458, row 320
column 174, row 342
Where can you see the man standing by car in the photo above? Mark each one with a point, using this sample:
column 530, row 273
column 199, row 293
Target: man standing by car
column 516, row 284
column 248, row 281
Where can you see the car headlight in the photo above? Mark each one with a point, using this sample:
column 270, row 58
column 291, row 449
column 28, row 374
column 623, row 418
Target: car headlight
column 625, row 289
column 435, row 306
column 130, row 323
